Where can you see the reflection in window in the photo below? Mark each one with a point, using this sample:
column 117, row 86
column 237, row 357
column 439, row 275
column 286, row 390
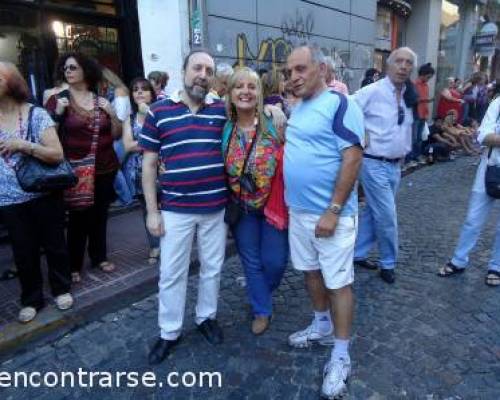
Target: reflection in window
column 96, row 41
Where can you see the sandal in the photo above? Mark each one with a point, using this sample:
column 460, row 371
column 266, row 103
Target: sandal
column 106, row 266
column 449, row 269
column 154, row 256
column 75, row 277
column 8, row 275
column 492, row 278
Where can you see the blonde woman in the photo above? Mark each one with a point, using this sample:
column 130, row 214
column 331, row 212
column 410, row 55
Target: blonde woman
column 251, row 148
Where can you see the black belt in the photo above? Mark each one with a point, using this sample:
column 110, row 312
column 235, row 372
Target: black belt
column 385, row 159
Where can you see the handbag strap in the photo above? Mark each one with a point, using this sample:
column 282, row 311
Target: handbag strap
column 29, row 123
column 95, row 127
column 491, row 147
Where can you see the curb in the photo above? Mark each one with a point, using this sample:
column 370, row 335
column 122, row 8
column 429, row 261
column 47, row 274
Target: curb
column 53, row 323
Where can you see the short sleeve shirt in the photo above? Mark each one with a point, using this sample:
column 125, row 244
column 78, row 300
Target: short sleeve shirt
column 318, row 131
column 10, row 191
column 189, row 145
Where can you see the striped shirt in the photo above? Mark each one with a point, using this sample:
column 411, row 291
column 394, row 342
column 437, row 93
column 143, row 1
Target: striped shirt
column 189, row 145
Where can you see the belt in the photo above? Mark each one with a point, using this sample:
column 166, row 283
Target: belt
column 385, row 159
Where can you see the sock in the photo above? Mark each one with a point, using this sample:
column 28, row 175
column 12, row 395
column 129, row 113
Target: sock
column 341, row 349
column 323, row 321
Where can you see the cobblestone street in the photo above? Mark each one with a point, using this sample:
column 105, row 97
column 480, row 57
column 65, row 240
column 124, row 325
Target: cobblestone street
column 422, row 338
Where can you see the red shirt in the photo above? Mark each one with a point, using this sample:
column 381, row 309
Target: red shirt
column 423, row 94
column 77, row 130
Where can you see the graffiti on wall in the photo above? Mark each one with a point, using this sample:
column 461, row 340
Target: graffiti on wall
column 273, row 52
column 298, row 25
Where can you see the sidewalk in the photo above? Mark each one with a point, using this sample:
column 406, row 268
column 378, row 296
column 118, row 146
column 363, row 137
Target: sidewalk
column 98, row 292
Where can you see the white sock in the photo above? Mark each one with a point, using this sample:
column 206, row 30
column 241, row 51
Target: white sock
column 341, row 349
column 323, row 321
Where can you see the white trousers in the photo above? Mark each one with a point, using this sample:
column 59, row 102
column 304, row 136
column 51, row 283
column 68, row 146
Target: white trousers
column 176, row 248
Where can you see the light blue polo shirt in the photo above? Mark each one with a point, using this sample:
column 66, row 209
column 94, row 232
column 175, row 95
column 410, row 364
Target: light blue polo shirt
column 318, row 131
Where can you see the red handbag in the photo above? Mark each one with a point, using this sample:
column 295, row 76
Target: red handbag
column 81, row 195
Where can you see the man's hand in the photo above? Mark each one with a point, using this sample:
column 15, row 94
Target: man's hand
column 154, row 223
column 277, row 115
column 326, row 225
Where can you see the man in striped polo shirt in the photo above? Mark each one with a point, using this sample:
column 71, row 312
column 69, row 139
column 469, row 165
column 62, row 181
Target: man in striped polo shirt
column 184, row 133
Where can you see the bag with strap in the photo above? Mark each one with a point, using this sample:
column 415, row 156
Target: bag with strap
column 81, row 196
column 232, row 213
column 492, row 178
column 34, row 175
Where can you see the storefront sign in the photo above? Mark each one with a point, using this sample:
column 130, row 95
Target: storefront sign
column 485, row 40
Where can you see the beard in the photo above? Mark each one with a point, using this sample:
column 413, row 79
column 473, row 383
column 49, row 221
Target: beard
column 197, row 91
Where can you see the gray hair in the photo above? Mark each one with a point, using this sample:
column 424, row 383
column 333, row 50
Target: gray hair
column 330, row 63
column 392, row 56
column 317, row 56
column 223, row 70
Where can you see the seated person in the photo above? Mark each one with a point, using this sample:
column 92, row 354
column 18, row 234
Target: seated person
column 437, row 140
column 457, row 133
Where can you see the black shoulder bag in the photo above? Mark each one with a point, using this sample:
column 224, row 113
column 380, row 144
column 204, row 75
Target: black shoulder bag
column 34, row 175
column 492, row 178
column 232, row 213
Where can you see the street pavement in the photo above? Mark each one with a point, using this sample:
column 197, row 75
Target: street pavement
column 424, row 337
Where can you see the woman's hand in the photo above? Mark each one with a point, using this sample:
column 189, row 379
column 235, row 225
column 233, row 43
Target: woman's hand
column 105, row 105
column 143, row 108
column 61, row 104
column 11, row 146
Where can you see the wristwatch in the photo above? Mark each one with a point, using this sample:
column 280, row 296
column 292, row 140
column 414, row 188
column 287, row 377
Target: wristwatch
column 335, row 208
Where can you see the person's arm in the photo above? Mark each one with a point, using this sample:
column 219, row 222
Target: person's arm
column 154, row 220
column 129, row 143
column 49, row 149
column 277, row 115
column 447, row 95
column 487, row 130
column 351, row 162
column 116, row 124
column 149, row 141
column 349, row 136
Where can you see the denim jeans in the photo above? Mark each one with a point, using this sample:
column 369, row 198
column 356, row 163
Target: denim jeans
column 121, row 186
column 263, row 251
column 416, row 147
column 378, row 220
column 480, row 205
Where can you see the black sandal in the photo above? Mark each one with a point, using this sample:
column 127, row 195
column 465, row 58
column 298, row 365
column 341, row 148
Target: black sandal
column 449, row 269
column 8, row 275
column 492, row 278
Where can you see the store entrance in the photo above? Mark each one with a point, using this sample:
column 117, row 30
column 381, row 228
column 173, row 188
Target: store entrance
column 34, row 37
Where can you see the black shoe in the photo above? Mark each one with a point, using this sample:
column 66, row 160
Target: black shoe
column 387, row 275
column 161, row 350
column 367, row 264
column 211, row 331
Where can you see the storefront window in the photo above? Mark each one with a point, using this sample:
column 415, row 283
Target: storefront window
column 96, row 41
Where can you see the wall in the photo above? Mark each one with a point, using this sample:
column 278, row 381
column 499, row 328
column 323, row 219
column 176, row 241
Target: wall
column 164, row 27
column 423, row 23
column 260, row 32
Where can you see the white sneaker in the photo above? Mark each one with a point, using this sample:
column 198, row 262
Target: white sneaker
column 64, row 301
column 335, row 376
column 306, row 337
column 26, row 314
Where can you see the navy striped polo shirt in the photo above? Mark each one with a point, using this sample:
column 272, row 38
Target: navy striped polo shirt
column 189, row 145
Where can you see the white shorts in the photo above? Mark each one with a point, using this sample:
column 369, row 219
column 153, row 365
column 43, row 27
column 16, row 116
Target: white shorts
column 333, row 255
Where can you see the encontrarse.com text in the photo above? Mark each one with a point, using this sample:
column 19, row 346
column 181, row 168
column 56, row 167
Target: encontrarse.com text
column 103, row 379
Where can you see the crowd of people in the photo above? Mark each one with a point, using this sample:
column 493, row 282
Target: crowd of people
column 235, row 149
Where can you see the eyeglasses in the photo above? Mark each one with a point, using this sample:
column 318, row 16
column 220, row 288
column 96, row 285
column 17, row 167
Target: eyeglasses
column 137, row 88
column 70, row 67
column 401, row 115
